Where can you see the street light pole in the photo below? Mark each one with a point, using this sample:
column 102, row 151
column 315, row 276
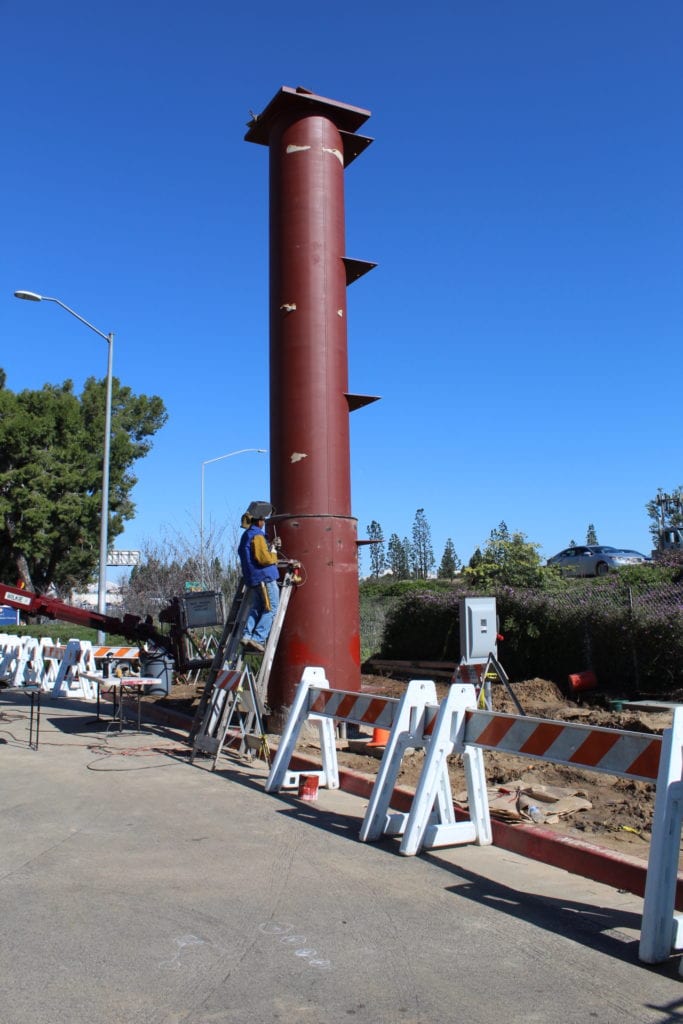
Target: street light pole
column 206, row 462
column 104, row 517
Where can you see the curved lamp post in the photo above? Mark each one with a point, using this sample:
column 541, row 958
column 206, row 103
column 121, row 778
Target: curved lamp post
column 206, row 462
column 104, row 519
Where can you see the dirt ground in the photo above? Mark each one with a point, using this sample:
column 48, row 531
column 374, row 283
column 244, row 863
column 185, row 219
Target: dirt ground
column 603, row 809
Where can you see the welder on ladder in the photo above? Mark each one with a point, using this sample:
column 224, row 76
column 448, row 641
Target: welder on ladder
column 259, row 560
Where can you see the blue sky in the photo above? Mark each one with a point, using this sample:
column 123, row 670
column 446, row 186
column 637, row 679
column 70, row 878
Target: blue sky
column 522, row 199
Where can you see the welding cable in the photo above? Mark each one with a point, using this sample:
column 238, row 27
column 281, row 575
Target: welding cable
column 108, row 752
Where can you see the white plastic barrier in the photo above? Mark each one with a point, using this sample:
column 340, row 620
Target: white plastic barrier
column 461, row 728
column 409, row 720
column 33, row 667
column 662, row 928
column 431, row 821
column 23, row 670
column 68, row 682
column 51, row 654
column 10, row 651
column 14, row 662
column 62, row 669
column 22, row 660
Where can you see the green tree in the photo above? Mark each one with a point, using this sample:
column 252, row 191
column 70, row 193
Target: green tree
column 591, row 535
column 508, row 559
column 450, row 563
column 169, row 562
column 378, row 557
column 422, row 555
column 51, row 449
column 476, row 559
column 407, row 556
column 398, row 557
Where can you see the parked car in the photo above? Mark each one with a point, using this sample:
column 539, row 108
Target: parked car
column 595, row 559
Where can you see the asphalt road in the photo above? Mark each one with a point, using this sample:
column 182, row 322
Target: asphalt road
column 137, row 889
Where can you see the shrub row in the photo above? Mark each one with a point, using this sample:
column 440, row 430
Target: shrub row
column 629, row 633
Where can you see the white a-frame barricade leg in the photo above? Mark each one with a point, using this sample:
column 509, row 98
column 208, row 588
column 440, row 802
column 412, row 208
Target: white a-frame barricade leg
column 51, row 655
column 408, row 720
column 67, row 683
column 431, row 822
column 313, row 687
column 415, row 715
column 662, row 929
column 10, row 649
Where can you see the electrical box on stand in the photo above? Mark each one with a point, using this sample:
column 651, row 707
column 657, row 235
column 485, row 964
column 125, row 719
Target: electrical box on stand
column 205, row 608
column 478, row 629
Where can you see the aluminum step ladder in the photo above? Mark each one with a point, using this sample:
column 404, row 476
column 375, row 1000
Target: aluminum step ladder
column 225, row 694
column 228, row 654
column 239, row 715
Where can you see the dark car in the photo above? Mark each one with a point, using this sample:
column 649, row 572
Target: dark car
column 595, row 559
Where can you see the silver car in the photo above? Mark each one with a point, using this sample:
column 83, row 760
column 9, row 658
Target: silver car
column 595, row 559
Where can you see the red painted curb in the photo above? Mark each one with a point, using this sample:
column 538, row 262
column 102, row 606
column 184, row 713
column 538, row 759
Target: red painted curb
column 620, row 871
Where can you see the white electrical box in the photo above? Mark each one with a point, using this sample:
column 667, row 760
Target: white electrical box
column 478, row 629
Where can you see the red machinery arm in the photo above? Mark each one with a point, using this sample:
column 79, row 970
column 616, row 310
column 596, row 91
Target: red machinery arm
column 132, row 627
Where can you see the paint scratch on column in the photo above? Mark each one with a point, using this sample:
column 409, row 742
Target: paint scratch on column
column 297, row 456
column 296, row 149
column 335, row 152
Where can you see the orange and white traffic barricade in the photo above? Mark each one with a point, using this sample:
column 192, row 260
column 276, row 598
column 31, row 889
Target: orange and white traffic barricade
column 96, row 668
column 408, row 720
column 69, row 681
column 464, row 729
column 46, row 658
column 97, row 656
column 51, row 655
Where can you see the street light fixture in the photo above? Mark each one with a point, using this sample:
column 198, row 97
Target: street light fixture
column 206, row 462
column 104, row 518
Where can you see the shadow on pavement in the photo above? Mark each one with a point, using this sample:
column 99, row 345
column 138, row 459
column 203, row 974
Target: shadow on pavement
column 601, row 928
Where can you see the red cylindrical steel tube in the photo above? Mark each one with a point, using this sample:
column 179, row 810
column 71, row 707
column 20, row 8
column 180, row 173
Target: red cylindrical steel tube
column 309, row 411
column 309, row 415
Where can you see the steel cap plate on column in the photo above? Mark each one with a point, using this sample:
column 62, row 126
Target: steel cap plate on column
column 289, row 101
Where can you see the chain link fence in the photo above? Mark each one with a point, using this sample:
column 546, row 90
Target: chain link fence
column 630, row 635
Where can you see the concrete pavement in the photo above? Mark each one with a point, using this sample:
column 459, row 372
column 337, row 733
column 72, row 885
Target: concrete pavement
column 137, row 888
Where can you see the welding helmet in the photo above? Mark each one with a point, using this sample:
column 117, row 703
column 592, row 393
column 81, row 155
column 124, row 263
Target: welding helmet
column 257, row 510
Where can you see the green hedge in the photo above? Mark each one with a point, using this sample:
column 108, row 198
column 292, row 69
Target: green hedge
column 627, row 628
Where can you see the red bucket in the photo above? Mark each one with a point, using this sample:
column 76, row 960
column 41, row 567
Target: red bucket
column 582, row 681
column 308, row 787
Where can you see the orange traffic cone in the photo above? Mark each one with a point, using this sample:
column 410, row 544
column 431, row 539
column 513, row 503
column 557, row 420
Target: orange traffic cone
column 380, row 738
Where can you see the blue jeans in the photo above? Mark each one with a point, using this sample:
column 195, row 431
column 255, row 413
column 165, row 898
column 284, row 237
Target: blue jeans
column 259, row 621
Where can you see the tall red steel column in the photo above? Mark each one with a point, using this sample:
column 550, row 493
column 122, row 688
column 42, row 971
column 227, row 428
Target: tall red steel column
column 311, row 140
